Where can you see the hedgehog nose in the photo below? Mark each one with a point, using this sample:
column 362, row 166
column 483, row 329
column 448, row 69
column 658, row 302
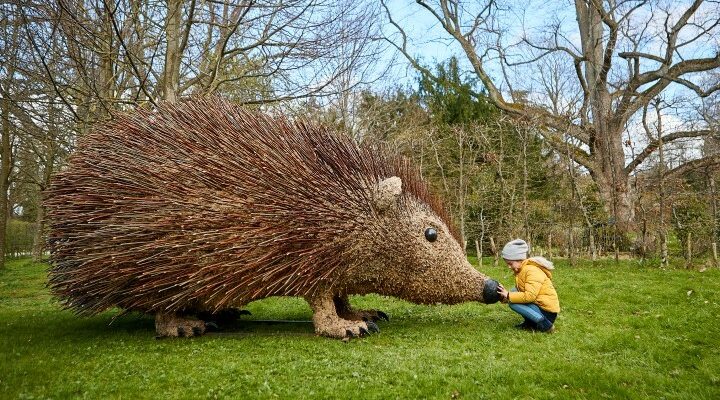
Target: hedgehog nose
column 490, row 294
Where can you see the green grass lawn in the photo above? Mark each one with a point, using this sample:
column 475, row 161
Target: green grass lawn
column 624, row 332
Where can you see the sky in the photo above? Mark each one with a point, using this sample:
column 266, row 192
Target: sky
column 429, row 42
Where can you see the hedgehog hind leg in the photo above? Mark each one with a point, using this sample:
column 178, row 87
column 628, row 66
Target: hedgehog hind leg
column 328, row 323
column 174, row 325
column 344, row 310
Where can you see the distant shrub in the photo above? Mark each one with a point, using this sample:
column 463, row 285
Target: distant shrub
column 692, row 215
column 19, row 238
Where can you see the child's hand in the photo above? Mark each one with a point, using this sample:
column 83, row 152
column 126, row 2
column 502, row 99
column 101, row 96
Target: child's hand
column 502, row 292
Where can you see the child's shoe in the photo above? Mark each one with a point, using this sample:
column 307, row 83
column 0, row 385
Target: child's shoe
column 525, row 326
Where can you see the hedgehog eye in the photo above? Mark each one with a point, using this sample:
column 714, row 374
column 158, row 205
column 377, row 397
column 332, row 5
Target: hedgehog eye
column 430, row 234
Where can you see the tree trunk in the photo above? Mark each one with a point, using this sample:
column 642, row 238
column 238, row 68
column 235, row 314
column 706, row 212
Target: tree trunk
column 713, row 205
column 606, row 135
column 618, row 200
column 5, row 164
column 462, row 184
column 549, row 245
column 106, row 91
column 526, row 217
column 482, row 235
column 39, row 237
column 663, row 249
column 173, row 50
column 688, row 251
column 644, row 239
column 494, row 249
column 4, row 173
column 571, row 241
column 661, row 189
column 48, row 167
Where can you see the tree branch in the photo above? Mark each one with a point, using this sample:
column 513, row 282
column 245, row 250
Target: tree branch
column 653, row 145
column 636, row 54
column 141, row 79
column 50, row 75
column 633, row 101
column 704, row 162
column 672, row 35
column 494, row 93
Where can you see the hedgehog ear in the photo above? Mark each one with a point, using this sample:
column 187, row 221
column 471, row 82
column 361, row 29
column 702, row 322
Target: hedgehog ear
column 387, row 192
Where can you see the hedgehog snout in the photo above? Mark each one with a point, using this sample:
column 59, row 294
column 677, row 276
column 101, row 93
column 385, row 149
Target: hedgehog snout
column 489, row 292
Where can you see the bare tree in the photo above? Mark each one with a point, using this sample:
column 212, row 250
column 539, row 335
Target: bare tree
column 10, row 43
column 43, row 146
column 6, row 164
column 628, row 53
column 87, row 59
column 657, row 127
column 139, row 51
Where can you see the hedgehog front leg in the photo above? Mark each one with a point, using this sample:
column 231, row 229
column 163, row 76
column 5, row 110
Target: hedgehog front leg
column 344, row 310
column 328, row 323
column 172, row 325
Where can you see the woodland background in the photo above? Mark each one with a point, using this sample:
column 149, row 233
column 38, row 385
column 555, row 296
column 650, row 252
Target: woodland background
column 588, row 127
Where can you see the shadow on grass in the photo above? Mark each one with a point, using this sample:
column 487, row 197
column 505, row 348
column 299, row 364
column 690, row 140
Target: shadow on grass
column 63, row 325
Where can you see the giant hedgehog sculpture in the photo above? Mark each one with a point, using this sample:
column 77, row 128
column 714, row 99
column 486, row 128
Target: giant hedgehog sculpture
column 202, row 207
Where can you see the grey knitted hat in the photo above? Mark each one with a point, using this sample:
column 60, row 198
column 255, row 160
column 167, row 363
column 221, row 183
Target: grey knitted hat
column 515, row 250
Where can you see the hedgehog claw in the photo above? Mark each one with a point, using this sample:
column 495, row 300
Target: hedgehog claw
column 372, row 327
column 382, row 315
column 363, row 332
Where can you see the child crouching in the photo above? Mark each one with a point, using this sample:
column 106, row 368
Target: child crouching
column 534, row 296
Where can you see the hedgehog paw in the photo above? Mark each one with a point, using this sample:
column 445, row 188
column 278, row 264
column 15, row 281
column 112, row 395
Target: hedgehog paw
column 345, row 329
column 169, row 325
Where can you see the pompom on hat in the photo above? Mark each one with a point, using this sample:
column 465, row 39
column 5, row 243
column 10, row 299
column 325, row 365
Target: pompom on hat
column 515, row 250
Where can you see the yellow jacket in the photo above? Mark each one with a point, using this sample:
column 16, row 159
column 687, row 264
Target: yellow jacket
column 534, row 285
